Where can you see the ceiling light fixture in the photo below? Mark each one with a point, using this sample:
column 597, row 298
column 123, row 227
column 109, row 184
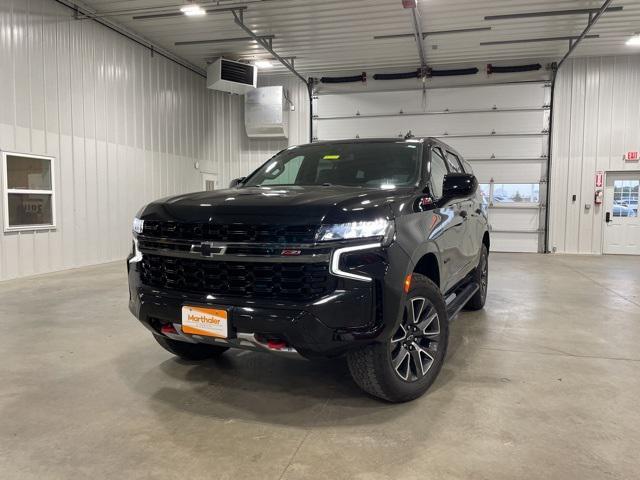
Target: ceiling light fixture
column 263, row 64
column 634, row 41
column 193, row 10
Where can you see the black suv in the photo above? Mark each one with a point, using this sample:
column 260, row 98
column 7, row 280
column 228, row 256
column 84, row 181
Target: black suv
column 363, row 248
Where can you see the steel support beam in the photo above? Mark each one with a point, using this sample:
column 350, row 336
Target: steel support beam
column 222, row 40
column 267, row 45
column 536, row 40
column 210, row 7
column 435, row 32
column 593, row 19
column 419, row 35
column 180, row 14
column 550, row 13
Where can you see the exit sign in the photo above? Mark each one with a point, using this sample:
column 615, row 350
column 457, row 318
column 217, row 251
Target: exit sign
column 599, row 179
column 632, row 156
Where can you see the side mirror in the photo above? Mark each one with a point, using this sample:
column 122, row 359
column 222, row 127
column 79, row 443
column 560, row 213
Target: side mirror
column 236, row 181
column 459, row 185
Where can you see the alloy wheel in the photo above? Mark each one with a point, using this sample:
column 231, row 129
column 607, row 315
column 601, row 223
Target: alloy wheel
column 415, row 344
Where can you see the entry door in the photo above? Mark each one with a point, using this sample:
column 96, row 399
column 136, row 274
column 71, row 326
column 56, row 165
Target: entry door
column 209, row 181
column 622, row 223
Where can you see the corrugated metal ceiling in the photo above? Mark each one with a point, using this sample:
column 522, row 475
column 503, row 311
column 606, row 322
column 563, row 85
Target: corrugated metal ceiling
column 335, row 35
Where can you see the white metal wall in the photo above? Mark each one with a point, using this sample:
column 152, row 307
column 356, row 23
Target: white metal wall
column 230, row 153
column 596, row 121
column 498, row 128
column 124, row 127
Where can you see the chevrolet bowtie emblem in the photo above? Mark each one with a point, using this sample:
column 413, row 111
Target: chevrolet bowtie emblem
column 208, row 249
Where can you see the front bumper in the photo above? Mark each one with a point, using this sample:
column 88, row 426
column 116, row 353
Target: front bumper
column 353, row 314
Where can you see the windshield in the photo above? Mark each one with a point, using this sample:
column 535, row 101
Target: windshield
column 374, row 165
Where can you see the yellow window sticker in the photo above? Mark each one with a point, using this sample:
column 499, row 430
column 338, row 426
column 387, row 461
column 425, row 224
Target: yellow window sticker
column 331, row 157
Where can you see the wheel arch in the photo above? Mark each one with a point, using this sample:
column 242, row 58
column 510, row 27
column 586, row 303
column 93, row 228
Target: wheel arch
column 429, row 266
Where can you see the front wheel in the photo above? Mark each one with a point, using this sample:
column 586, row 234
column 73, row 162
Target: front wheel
column 404, row 367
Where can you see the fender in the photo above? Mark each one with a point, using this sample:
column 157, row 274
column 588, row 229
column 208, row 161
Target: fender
column 415, row 235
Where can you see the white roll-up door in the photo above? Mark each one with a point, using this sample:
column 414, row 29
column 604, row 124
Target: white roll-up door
column 501, row 129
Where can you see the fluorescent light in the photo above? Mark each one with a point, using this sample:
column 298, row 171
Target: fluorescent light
column 263, row 64
column 634, row 41
column 193, row 10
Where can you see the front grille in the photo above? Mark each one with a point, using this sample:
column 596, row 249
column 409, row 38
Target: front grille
column 144, row 244
column 295, row 281
column 230, row 232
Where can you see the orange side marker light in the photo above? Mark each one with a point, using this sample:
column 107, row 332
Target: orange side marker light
column 407, row 283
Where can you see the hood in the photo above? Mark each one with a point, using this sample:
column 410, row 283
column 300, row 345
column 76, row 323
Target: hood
column 278, row 205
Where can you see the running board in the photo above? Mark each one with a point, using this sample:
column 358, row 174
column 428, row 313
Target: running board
column 457, row 300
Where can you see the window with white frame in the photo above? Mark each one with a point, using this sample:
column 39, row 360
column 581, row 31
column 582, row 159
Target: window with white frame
column 516, row 193
column 29, row 191
column 485, row 193
column 510, row 194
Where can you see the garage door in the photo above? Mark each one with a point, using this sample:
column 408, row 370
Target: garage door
column 501, row 129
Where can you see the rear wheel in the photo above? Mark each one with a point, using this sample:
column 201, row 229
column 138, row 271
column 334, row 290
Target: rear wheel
column 190, row 351
column 481, row 277
column 405, row 366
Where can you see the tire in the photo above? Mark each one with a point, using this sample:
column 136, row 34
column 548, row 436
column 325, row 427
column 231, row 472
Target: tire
column 390, row 370
column 481, row 277
column 190, row 351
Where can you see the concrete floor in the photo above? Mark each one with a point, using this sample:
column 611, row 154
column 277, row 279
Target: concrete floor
column 543, row 384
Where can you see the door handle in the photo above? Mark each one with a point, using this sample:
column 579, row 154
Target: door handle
column 607, row 217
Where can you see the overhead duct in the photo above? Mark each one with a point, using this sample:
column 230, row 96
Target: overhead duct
column 513, row 69
column 398, row 76
column 429, row 73
column 266, row 113
column 356, row 78
column 451, row 73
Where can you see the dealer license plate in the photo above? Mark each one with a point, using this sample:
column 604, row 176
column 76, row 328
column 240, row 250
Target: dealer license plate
column 209, row 322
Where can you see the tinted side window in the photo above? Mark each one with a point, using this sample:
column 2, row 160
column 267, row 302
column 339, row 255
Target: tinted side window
column 437, row 172
column 454, row 163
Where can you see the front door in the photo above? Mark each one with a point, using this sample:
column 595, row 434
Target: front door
column 452, row 227
column 622, row 223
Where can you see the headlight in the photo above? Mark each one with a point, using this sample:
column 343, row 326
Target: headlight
column 347, row 231
column 138, row 225
column 137, row 254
